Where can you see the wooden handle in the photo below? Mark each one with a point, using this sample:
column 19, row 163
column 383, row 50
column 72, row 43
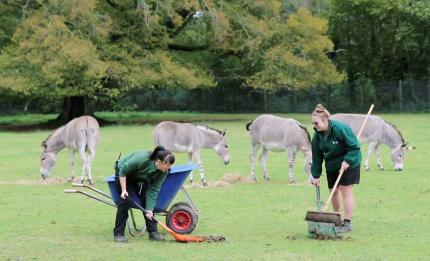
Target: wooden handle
column 333, row 190
column 365, row 120
column 341, row 172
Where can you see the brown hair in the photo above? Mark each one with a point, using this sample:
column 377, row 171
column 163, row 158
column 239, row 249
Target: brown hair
column 321, row 111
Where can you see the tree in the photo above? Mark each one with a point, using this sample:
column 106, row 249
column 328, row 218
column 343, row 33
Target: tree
column 384, row 40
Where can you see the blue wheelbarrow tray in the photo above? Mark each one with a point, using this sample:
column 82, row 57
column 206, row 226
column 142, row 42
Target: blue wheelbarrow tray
column 172, row 184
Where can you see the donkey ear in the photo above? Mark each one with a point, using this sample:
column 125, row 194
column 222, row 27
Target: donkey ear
column 223, row 133
column 44, row 145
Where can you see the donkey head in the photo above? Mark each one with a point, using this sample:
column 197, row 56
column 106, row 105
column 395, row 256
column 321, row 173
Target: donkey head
column 398, row 156
column 47, row 161
column 222, row 148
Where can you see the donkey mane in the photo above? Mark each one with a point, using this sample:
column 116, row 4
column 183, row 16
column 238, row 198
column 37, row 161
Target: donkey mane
column 306, row 130
column 396, row 129
column 45, row 142
column 208, row 128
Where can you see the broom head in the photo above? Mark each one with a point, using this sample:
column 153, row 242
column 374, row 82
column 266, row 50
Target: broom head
column 325, row 217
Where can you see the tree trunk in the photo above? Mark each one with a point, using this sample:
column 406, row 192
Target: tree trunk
column 428, row 94
column 400, row 96
column 73, row 107
column 307, row 4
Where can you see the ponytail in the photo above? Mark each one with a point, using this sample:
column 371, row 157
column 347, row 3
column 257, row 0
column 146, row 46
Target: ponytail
column 165, row 155
column 321, row 111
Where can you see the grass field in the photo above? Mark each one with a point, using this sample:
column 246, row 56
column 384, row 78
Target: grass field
column 262, row 221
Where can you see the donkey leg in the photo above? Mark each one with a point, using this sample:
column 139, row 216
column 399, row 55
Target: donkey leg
column 254, row 151
column 370, row 149
column 72, row 164
column 291, row 161
column 263, row 159
column 202, row 173
column 190, row 161
column 90, row 158
column 83, row 164
column 378, row 157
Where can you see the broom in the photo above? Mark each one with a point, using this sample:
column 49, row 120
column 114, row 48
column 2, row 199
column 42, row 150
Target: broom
column 176, row 236
column 333, row 217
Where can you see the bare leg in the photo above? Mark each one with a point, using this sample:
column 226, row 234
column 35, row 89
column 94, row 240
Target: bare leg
column 291, row 161
column 335, row 200
column 263, row 159
column 348, row 201
column 72, row 164
column 254, row 151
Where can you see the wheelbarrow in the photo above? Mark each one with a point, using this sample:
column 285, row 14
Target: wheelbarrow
column 181, row 217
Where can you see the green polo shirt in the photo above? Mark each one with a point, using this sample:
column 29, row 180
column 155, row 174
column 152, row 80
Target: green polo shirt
column 338, row 144
column 139, row 167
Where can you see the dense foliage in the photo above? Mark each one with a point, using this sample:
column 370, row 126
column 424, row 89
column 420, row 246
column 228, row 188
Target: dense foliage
column 210, row 55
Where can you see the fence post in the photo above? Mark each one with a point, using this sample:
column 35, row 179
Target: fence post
column 400, row 96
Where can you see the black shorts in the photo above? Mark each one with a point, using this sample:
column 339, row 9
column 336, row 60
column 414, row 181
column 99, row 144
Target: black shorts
column 349, row 177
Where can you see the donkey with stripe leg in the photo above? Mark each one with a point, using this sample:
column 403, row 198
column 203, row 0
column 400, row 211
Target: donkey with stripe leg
column 377, row 132
column 191, row 138
column 79, row 135
column 279, row 135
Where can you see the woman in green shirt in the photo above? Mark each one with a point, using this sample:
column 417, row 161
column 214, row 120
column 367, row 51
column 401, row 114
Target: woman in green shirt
column 144, row 172
column 335, row 143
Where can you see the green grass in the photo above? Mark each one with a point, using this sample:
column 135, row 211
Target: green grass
column 263, row 221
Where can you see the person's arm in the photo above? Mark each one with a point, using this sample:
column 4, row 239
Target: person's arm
column 123, row 183
column 352, row 146
column 317, row 157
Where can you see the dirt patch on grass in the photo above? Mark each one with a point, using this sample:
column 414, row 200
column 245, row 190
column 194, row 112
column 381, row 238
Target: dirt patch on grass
column 50, row 181
column 226, row 181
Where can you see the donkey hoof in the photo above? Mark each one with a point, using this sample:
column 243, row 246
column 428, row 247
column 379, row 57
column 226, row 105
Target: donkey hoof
column 292, row 181
column 204, row 182
column 266, row 178
column 91, row 182
column 70, row 180
column 381, row 168
column 81, row 181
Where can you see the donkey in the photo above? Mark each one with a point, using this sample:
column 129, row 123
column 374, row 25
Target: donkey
column 376, row 132
column 279, row 134
column 191, row 138
column 80, row 134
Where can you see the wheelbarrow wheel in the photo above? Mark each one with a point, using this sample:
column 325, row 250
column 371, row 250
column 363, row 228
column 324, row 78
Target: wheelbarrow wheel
column 182, row 218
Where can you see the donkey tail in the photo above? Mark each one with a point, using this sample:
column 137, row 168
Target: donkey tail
column 248, row 124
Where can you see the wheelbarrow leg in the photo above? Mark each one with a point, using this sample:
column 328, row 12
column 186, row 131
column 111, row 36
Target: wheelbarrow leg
column 133, row 230
column 189, row 199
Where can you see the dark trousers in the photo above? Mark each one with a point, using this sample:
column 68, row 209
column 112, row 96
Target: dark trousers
column 124, row 206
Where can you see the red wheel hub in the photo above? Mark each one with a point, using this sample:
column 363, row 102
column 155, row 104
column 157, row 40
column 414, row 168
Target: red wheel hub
column 181, row 220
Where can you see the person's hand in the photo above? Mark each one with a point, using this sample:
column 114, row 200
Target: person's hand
column 315, row 181
column 149, row 214
column 124, row 194
column 344, row 166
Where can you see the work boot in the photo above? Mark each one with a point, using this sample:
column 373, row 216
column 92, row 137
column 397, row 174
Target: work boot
column 120, row 239
column 156, row 236
column 345, row 227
